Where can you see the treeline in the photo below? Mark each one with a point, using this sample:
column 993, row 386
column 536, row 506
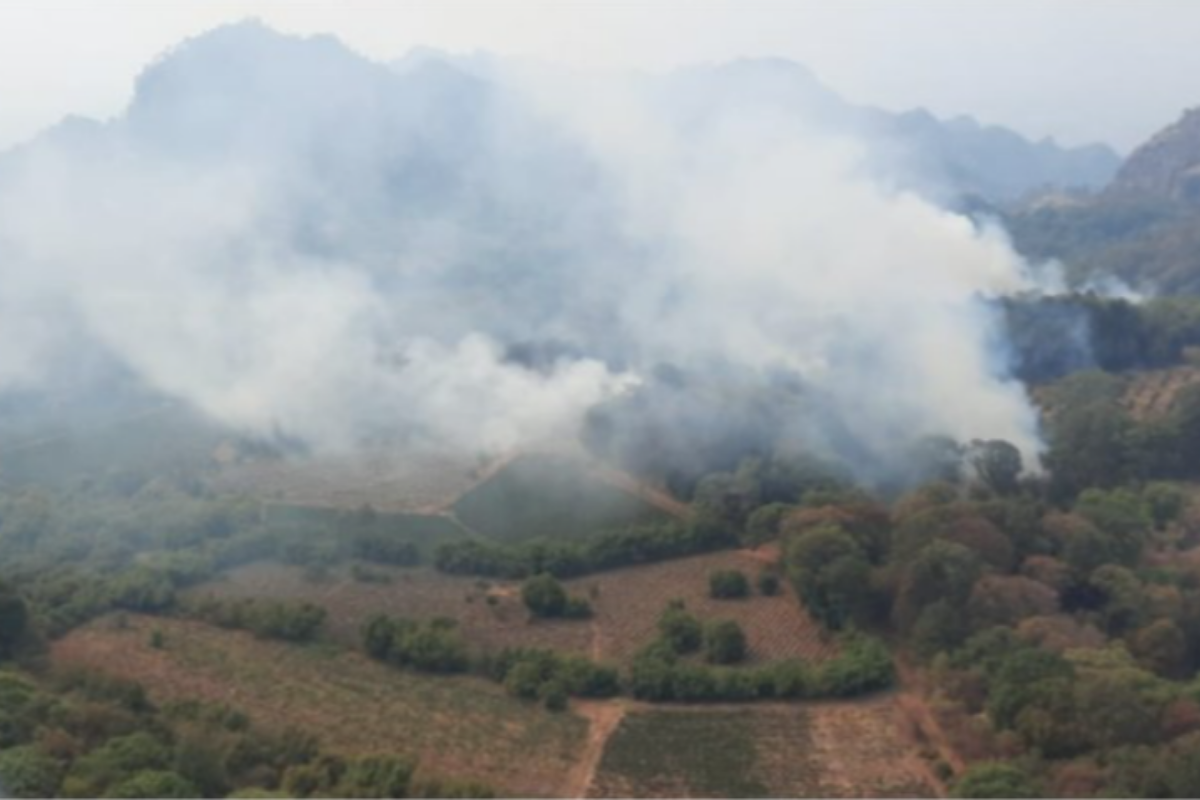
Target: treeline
column 1055, row 335
column 135, row 543
column 661, row 672
column 267, row 619
column 1096, row 443
column 567, row 559
column 85, row 735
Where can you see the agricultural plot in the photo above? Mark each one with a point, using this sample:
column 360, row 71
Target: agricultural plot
column 852, row 749
column 387, row 480
column 459, row 726
column 628, row 602
column 626, row 605
column 490, row 616
column 549, row 496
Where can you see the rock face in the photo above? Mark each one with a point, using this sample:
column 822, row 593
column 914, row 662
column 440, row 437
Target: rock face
column 1167, row 167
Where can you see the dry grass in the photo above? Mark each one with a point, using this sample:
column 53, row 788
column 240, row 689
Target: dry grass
column 852, row 749
column 458, row 726
column 386, row 480
column 626, row 604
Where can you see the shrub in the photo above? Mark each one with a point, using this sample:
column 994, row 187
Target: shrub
column 768, row 584
column 728, row 584
column 724, row 642
column 679, row 629
column 544, row 596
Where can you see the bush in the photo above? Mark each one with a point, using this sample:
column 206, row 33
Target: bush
column 724, row 642
column 544, row 596
column 728, row 584
column 995, row 780
column 768, row 584
column 680, row 630
column 433, row 647
column 28, row 772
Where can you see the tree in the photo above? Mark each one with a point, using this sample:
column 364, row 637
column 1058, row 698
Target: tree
column 154, row 783
column 995, row 779
column 544, row 596
column 724, row 642
column 377, row 776
column 14, row 621
column 728, row 584
column 28, row 772
column 997, row 464
column 679, row 629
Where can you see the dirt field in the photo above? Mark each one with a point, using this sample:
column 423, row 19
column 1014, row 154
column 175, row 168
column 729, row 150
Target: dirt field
column 847, row 749
column 385, row 480
column 462, row 727
column 626, row 605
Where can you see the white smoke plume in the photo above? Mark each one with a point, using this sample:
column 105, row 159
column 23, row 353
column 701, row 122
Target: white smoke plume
column 293, row 239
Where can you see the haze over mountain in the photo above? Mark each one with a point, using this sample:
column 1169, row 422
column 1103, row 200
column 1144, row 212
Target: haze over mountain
column 294, row 238
column 1143, row 228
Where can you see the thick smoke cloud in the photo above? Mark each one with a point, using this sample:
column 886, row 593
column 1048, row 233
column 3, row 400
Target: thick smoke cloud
column 295, row 240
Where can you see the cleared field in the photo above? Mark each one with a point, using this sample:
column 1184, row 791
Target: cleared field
column 626, row 605
column 386, row 480
column 460, row 726
column 852, row 749
column 1152, row 394
column 549, row 496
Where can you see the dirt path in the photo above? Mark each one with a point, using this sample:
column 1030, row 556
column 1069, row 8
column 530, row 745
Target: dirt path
column 925, row 729
column 603, row 717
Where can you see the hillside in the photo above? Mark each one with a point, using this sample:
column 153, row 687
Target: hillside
column 1143, row 229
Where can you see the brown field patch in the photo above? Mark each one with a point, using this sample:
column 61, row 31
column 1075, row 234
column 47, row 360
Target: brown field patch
column 844, row 749
column 626, row 605
column 1151, row 394
column 458, row 726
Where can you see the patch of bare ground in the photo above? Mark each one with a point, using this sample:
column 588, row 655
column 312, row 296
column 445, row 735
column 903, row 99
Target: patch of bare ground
column 458, row 726
column 626, row 605
column 1151, row 394
column 827, row 749
column 603, row 718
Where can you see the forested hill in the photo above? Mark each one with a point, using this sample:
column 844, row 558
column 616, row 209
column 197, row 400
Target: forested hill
column 1143, row 229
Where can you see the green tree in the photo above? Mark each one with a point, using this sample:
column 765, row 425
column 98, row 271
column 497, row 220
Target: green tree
column 680, row 630
column 154, row 783
column 27, row 771
column 544, row 596
column 997, row 464
column 724, row 642
column 14, row 621
column 995, row 780
column 726, row 584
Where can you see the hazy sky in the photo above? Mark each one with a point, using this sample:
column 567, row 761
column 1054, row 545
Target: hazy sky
column 1079, row 70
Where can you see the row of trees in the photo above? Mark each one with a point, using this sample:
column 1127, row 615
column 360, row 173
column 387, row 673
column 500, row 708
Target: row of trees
column 567, row 559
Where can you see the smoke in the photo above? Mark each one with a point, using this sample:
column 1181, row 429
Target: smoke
column 293, row 239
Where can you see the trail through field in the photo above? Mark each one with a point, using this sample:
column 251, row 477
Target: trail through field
column 910, row 699
column 603, row 717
